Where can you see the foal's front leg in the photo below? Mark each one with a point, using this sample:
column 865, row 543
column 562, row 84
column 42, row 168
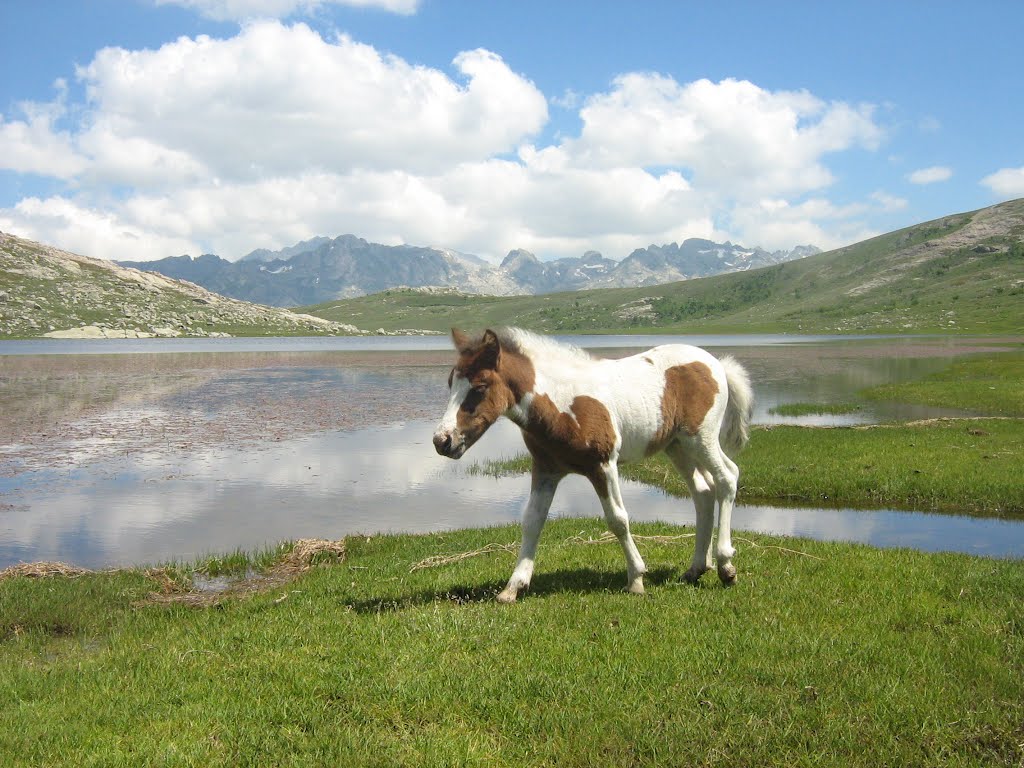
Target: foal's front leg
column 606, row 483
column 542, row 491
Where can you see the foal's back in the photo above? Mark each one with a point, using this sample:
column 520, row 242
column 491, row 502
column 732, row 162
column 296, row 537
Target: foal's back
column 653, row 395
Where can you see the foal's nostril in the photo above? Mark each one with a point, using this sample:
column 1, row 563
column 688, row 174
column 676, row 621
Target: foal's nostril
column 443, row 443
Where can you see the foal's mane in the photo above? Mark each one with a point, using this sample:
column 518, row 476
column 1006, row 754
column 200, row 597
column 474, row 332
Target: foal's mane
column 536, row 347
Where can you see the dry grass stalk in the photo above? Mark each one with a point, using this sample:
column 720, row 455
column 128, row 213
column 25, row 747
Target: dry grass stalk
column 755, row 545
column 609, row 538
column 305, row 551
column 436, row 561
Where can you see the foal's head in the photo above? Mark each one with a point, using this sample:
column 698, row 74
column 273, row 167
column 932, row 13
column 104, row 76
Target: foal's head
column 481, row 391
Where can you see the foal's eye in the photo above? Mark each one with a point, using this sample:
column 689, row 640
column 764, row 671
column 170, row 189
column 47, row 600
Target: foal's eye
column 473, row 399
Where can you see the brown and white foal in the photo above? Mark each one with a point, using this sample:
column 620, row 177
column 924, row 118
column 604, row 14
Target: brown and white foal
column 584, row 415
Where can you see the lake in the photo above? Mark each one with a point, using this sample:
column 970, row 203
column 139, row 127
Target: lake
column 142, row 451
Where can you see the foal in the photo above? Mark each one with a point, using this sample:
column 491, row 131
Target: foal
column 584, row 415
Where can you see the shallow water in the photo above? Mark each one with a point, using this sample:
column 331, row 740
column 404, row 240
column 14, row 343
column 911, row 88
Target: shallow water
column 144, row 458
column 149, row 507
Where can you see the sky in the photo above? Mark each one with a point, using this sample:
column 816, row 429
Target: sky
column 140, row 129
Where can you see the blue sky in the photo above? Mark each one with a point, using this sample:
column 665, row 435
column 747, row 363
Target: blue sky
column 145, row 128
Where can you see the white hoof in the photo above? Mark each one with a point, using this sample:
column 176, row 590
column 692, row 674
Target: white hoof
column 636, row 586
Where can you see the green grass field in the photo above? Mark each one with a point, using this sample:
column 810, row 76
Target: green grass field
column 824, row 654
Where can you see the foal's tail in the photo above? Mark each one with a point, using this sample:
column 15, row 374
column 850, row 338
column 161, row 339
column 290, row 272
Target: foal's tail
column 736, row 425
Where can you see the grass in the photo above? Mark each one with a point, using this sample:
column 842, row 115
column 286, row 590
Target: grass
column 824, row 654
column 814, row 409
column 993, row 384
column 962, row 466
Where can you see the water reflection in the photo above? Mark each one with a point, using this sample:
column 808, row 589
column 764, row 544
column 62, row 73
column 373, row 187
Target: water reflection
column 148, row 507
column 139, row 458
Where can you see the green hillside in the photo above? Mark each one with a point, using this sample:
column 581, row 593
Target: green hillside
column 45, row 291
column 962, row 273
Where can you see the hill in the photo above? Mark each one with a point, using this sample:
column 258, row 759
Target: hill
column 323, row 269
column 961, row 273
column 45, row 291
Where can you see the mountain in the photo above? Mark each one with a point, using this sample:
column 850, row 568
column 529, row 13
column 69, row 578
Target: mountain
column 45, row 291
column 323, row 269
column 962, row 273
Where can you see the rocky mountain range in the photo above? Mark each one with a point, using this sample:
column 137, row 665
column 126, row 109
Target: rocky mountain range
column 324, row 269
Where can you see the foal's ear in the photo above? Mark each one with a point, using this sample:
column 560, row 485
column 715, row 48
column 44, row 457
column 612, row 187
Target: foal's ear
column 490, row 350
column 460, row 340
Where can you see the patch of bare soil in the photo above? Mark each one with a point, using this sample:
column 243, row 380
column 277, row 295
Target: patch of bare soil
column 304, row 555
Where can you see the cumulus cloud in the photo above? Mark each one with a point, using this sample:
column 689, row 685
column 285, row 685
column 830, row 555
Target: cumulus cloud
column 276, row 134
column 35, row 145
column 1008, row 182
column 931, row 175
column 244, row 10
column 280, row 99
column 731, row 135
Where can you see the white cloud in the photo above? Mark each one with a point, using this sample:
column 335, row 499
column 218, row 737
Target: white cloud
column 276, row 134
column 92, row 232
column 931, row 175
column 280, row 99
column 1007, row 182
column 889, row 202
column 34, row 145
column 730, row 135
column 244, row 10
column 777, row 224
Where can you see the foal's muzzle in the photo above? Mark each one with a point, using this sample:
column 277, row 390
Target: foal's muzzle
column 450, row 444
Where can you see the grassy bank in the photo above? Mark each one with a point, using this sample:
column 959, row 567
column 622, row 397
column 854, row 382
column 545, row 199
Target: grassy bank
column 825, row 654
column 993, row 385
column 964, row 466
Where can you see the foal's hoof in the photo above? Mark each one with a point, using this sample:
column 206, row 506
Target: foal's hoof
column 507, row 596
column 727, row 573
column 636, row 587
column 693, row 575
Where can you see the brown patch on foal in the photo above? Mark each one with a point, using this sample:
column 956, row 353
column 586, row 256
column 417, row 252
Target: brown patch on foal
column 689, row 393
column 580, row 441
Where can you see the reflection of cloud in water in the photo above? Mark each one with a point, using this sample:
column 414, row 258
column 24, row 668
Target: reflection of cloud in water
column 148, row 508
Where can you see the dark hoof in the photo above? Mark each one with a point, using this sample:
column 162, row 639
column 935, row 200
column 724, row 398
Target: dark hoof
column 693, row 575
column 727, row 573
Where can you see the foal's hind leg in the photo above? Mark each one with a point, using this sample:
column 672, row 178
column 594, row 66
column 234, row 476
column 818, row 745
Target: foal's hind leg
column 702, row 491
column 606, row 482
column 709, row 457
column 727, row 476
